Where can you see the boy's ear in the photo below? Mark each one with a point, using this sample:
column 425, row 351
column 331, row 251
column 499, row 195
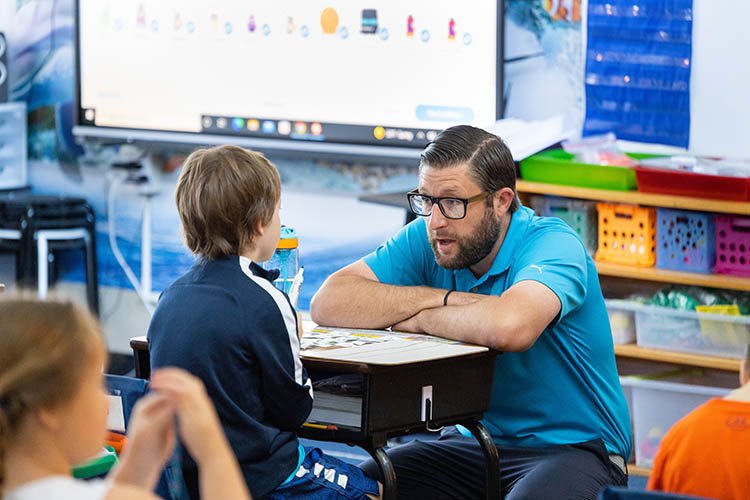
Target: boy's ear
column 259, row 228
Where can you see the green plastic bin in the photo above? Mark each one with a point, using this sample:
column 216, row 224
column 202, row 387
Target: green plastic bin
column 97, row 466
column 556, row 166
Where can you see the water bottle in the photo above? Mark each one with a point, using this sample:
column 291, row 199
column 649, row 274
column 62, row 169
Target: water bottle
column 285, row 259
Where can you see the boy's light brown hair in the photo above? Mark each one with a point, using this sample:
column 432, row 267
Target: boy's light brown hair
column 222, row 195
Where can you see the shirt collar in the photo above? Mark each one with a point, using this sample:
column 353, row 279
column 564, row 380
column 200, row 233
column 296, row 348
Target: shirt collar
column 250, row 267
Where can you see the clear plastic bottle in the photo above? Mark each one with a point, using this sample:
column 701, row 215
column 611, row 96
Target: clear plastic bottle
column 285, row 259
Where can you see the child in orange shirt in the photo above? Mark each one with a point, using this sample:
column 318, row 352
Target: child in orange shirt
column 705, row 453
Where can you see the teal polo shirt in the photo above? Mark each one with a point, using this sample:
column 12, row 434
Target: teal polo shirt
column 565, row 388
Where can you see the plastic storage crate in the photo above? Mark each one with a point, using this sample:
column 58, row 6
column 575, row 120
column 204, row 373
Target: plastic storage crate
column 685, row 240
column 579, row 215
column 691, row 332
column 732, row 245
column 621, row 320
column 557, row 166
column 627, row 234
column 656, row 405
column 682, row 183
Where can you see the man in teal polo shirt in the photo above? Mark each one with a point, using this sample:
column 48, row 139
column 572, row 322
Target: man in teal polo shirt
column 479, row 267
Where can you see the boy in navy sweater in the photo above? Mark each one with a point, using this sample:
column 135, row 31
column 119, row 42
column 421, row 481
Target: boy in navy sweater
column 225, row 322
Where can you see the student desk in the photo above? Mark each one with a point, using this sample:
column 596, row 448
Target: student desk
column 393, row 403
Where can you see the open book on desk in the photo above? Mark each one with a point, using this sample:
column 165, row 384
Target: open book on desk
column 379, row 347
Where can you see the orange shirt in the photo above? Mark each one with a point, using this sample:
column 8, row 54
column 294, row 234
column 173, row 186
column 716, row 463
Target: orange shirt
column 707, row 453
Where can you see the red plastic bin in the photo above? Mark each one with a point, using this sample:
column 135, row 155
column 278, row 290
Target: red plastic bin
column 676, row 182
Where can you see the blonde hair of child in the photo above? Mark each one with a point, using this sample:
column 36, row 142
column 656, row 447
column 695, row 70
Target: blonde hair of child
column 43, row 348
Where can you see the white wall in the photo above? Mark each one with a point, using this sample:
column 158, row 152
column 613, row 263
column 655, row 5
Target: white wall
column 720, row 79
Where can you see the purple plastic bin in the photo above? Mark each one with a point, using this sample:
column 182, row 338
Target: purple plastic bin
column 732, row 245
column 685, row 240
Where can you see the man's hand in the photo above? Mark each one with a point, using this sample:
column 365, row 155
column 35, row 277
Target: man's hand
column 409, row 325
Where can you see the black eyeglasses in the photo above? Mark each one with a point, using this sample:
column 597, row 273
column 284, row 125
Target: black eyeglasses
column 452, row 208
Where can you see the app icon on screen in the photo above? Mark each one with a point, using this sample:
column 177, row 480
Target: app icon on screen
column 190, row 26
column 221, row 122
column 379, row 133
column 329, row 20
column 251, row 24
column 266, row 30
column 141, row 16
column 207, row 122
column 425, row 36
column 285, row 127
column 452, row 29
column 304, row 31
column 253, row 125
column 410, row 26
column 228, row 28
column 238, row 124
column 316, row 128
column 177, row 21
column 300, row 128
column 369, row 21
column 269, row 127
column 290, row 26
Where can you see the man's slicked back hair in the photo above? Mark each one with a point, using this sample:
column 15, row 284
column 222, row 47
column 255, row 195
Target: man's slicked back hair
column 490, row 161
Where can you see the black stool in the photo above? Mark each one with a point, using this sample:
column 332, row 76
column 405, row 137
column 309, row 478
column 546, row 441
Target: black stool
column 32, row 226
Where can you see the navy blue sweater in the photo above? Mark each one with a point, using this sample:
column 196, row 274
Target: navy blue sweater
column 226, row 323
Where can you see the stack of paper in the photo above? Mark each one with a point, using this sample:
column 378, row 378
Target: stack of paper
column 336, row 409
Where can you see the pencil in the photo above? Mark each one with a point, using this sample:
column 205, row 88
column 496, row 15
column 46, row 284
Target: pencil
column 328, row 427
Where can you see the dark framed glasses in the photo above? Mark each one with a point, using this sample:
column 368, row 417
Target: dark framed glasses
column 452, row 208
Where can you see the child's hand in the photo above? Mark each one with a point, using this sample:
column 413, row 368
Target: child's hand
column 300, row 330
column 198, row 422
column 151, row 440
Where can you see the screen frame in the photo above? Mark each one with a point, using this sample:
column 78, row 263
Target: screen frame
column 293, row 148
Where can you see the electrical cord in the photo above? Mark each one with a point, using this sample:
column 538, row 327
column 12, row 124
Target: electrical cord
column 114, row 187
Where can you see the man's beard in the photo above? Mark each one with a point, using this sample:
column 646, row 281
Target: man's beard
column 472, row 249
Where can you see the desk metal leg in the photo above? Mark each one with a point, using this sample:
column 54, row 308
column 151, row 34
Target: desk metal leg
column 493, row 458
column 387, row 471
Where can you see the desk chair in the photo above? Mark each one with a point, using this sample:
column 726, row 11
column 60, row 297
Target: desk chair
column 171, row 486
column 615, row 493
column 33, row 226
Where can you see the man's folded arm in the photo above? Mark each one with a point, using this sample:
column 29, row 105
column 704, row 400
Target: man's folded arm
column 511, row 322
column 354, row 297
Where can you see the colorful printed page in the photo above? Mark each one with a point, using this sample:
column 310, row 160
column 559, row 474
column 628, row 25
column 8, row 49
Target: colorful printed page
column 379, row 347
